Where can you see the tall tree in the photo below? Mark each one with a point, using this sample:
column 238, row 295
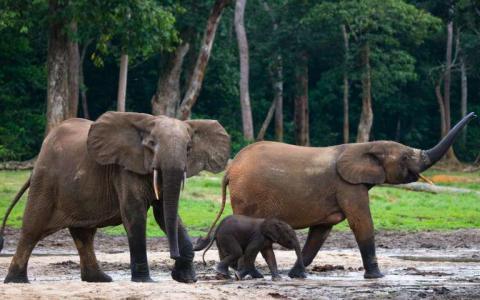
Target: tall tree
column 58, row 65
column 366, row 116
column 346, row 85
column 242, row 41
column 302, row 136
column 198, row 73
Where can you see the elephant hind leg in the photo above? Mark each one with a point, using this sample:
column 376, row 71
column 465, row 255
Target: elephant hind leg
column 17, row 272
column 90, row 270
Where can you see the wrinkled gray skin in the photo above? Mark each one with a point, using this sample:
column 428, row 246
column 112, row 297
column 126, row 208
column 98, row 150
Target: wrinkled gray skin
column 240, row 238
column 95, row 174
column 318, row 187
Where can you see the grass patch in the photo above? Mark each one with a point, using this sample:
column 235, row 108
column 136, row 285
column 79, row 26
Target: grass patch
column 392, row 209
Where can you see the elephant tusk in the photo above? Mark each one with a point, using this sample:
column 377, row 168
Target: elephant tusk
column 426, row 179
column 184, row 179
column 155, row 182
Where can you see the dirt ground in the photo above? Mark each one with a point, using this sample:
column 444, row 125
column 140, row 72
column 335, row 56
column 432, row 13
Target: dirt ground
column 432, row 265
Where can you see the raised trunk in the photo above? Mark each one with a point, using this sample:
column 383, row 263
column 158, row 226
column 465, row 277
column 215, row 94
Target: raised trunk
column 434, row 154
column 204, row 54
column 366, row 117
column 301, row 102
column 346, row 87
column 247, row 121
column 57, row 66
column 73, row 73
column 122, row 82
column 167, row 97
column 171, row 179
column 464, row 95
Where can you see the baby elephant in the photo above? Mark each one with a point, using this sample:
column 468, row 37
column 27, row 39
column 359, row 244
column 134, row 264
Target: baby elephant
column 240, row 238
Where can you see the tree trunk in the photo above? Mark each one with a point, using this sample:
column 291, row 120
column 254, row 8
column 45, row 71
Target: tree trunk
column 73, row 73
column 441, row 105
column 464, row 96
column 204, row 54
column 278, row 98
column 83, row 88
column 366, row 117
column 450, row 156
column 301, row 102
column 268, row 119
column 346, row 87
column 58, row 67
column 167, row 97
column 277, row 78
column 247, row 121
column 122, row 82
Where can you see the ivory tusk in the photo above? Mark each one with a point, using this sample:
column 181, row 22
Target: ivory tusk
column 184, row 180
column 426, row 179
column 155, row 182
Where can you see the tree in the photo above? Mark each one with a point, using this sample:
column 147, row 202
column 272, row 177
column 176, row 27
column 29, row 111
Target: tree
column 244, row 69
column 61, row 87
column 379, row 31
column 196, row 79
column 302, row 136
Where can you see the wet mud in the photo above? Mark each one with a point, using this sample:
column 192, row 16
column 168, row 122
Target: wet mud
column 432, row 265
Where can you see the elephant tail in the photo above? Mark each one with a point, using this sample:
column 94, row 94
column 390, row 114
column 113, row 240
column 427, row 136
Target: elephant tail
column 25, row 186
column 201, row 242
column 208, row 247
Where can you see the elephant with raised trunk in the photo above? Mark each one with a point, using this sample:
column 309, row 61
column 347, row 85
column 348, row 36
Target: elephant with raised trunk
column 320, row 187
column 108, row 172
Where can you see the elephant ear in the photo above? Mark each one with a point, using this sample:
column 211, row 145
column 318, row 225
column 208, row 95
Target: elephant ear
column 116, row 138
column 210, row 148
column 362, row 163
column 271, row 228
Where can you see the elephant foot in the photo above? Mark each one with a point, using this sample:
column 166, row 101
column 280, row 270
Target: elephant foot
column 142, row 279
column 183, row 271
column 141, row 273
column 222, row 271
column 247, row 274
column 373, row 272
column 373, row 275
column 95, row 276
column 276, row 277
column 297, row 273
column 16, row 279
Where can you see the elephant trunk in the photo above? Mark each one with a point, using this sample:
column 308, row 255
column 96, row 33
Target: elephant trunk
column 172, row 180
column 431, row 156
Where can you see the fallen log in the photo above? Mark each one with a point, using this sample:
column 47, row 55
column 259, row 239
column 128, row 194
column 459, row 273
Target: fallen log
column 429, row 188
column 18, row 165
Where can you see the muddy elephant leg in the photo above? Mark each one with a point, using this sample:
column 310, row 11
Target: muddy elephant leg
column 269, row 257
column 134, row 216
column 89, row 269
column 230, row 253
column 183, row 270
column 360, row 221
column 17, row 272
column 315, row 239
column 246, row 264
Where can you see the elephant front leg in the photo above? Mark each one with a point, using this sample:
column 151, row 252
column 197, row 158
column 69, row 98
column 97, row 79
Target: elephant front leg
column 134, row 220
column 183, row 270
column 269, row 257
column 360, row 221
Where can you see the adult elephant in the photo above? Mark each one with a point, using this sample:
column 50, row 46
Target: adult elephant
column 320, row 187
column 108, row 172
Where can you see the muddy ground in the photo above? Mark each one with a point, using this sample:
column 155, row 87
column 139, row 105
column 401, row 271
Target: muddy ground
column 438, row 265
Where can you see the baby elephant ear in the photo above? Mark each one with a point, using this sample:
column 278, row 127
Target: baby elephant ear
column 210, row 149
column 361, row 163
column 115, row 138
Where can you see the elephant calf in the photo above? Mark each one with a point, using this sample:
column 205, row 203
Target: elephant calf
column 240, row 238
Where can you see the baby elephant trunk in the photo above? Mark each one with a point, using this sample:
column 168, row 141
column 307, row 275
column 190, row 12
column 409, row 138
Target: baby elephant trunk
column 202, row 243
